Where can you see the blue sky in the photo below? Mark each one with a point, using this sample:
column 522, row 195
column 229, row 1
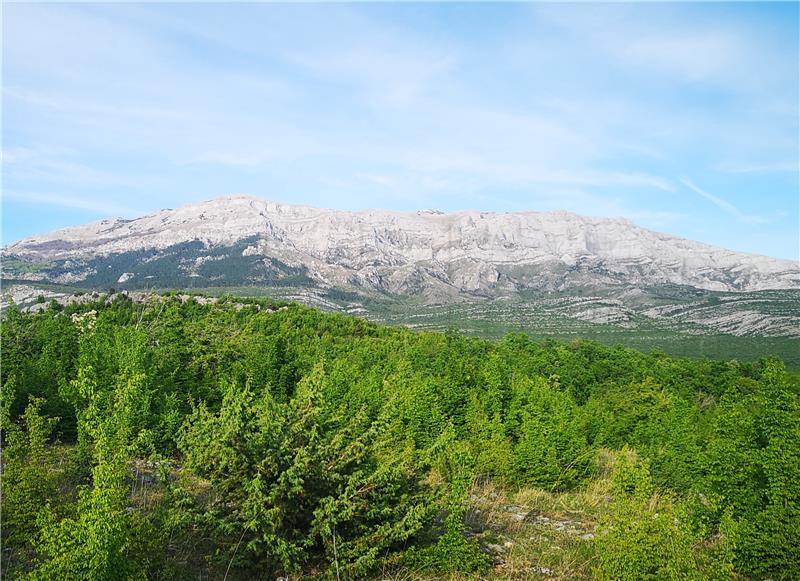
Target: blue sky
column 682, row 117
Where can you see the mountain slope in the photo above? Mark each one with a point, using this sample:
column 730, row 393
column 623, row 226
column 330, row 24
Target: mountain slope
column 244, row 240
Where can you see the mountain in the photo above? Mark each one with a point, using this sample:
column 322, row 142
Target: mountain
column 248, row 241
column 551, row 275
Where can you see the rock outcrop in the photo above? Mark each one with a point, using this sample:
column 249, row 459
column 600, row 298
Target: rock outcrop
column 422, row 253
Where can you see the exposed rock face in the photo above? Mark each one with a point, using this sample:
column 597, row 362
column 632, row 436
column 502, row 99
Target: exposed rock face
column 423, row 253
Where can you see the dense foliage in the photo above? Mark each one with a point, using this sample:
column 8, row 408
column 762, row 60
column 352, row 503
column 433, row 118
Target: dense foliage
column 247, row 438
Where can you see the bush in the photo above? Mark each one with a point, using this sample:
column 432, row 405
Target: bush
column 298, row 484
column 645, row 536
column 28, row 483
column 452, row 551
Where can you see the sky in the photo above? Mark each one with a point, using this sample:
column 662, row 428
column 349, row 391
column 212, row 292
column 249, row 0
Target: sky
column 682, row 117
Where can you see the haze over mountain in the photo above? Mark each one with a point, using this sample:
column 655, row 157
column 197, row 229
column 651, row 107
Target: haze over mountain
column 247, row 240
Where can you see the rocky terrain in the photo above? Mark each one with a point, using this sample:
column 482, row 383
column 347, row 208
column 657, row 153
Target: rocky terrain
column 547, row 274
column 244, row 240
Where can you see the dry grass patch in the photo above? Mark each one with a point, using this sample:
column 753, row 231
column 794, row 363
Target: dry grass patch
column 536, row 534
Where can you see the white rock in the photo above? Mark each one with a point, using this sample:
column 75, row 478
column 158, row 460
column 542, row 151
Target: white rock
column 425, row 252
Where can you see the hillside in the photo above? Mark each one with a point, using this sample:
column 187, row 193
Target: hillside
column 547, row 274
column 182, row 437
column 247, row 240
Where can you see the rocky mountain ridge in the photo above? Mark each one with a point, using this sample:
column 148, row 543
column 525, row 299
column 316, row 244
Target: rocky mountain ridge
column 427, row 253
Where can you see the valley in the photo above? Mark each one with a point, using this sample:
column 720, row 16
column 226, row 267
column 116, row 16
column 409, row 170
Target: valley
column 679, row 321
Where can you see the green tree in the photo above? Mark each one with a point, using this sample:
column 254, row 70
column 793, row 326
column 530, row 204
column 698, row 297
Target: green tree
column 291, row 477
column 753, row 462
column 105, row 540
column 28, row 482
column 646, row 535
column 550, row 449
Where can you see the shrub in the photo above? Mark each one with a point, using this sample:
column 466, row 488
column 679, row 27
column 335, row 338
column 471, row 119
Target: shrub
column 645, row 536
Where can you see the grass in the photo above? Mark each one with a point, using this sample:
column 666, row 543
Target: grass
column 533, row 533
column 541, row 534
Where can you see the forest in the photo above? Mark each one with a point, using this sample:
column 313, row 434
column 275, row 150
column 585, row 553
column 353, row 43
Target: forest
column 190, row 438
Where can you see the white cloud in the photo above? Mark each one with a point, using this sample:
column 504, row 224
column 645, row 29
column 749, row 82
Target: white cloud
column 250, row 159
column 342, row 104
column 658, row 40
column 386, row 77
column 774, row 167
column 101, row 207
column 24, row 165
column 724, row 204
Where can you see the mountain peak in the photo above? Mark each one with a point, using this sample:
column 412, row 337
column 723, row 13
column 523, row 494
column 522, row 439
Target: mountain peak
column 411, row 253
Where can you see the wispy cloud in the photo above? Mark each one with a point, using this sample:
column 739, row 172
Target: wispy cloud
column 501, row 106
column 95, row 206
column 775, row 167
column 250, row 159
column 724, row 204
column 26, row 165
column 659, row 41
